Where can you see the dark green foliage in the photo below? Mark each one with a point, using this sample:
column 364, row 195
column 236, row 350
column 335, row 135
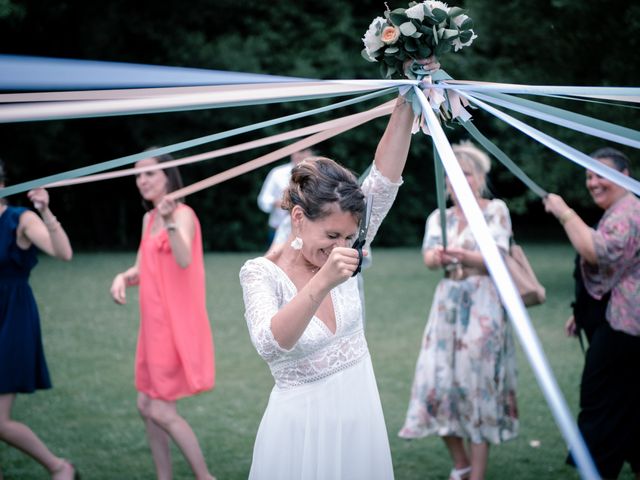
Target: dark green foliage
column 522, row 41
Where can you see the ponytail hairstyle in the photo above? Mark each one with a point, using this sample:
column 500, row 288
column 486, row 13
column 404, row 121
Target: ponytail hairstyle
column 174, row 180
column 319, row 182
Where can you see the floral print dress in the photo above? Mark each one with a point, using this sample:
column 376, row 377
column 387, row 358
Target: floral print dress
column 465, row 377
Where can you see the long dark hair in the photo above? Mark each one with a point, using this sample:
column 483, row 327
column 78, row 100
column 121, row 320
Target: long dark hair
column 318, row 182
column 174, row 180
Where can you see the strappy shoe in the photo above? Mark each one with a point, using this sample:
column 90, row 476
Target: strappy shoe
column 460, row 473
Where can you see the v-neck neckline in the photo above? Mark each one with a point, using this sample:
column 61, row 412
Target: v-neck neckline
column 315, row 317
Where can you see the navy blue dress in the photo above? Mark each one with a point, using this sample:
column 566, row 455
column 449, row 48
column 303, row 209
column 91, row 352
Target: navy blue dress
column 23, row 367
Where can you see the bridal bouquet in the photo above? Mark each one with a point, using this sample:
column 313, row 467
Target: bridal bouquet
column 424, row 29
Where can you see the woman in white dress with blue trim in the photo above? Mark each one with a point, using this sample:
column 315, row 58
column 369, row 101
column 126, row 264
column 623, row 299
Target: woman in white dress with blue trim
column 324, row 419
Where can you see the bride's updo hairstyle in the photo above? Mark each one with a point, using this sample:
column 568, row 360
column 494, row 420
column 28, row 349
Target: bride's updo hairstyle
column 317, row 183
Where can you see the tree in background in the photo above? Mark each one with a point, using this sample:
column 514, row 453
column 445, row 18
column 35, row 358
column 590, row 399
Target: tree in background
column 523, row 41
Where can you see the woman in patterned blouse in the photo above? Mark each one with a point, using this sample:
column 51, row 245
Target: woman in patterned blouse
column 609, row 417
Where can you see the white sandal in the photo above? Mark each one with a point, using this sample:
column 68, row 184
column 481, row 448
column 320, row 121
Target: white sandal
column 460, row 473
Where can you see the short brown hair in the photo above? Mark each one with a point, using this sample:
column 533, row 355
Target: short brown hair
column 318, row 182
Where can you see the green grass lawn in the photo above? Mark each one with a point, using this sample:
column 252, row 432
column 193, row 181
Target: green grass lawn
column 90, row 415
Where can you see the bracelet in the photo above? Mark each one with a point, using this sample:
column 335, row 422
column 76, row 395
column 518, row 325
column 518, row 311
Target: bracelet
column 51, row 221
column 566, row 215
column 52, row 224
column 171, row 227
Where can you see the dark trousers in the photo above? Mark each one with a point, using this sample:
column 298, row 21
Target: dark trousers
column 609, row 417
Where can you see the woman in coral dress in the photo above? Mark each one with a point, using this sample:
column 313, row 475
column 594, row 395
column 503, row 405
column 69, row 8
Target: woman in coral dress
column 174, row 357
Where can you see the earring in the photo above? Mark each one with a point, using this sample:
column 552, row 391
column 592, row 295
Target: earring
column 297, row 243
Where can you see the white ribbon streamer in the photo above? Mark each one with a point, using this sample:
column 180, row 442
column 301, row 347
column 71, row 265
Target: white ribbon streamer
column 185, row 99
column 556, row 120
column 562, row 148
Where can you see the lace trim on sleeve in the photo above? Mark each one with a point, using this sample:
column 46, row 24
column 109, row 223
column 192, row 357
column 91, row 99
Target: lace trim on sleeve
column 384, row 193
column 261, row 300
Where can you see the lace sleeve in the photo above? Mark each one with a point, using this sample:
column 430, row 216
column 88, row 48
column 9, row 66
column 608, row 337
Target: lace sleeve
column 260, row 293
column 384, row 193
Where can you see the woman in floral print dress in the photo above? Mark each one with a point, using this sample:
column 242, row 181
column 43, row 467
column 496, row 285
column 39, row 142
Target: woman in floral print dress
column 464, row 388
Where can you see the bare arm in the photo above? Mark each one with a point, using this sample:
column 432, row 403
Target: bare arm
column 180, row 228
column 47, row 233
column 129, row 277
column 579, row 233
column 393, row 148
column 290, row 322
column 467, row 258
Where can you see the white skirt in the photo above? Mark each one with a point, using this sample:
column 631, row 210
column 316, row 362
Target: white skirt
column 330, row 429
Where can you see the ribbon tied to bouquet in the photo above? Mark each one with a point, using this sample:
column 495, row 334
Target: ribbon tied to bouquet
column 46, row 89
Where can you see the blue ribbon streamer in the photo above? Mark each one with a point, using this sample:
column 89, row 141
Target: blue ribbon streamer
column 503, row 158
column 545, row 90
column 562, row 148
column 40, row 73
column 565, row 118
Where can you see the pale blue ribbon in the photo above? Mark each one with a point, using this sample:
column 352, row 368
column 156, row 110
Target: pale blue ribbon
column 545, row 90
column 129, row 159
column 503, row 158
column 563, row 149
column 565, row 118
column 39, row 73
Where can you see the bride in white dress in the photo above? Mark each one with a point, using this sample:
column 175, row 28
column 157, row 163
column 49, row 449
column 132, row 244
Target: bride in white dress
column 324, row 418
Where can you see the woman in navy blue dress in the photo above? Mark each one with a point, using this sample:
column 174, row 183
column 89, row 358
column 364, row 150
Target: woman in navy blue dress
column 23, row 368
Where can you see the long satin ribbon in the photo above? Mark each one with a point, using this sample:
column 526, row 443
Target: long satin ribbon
column 129, row 159
column 561, row 148
column 213, row 97
column 438, row 171
column 504, row 159
column 625, row 94
column 300, row 132
column 509, row 295
column 40, row 73
column 565, row 118
column 280, row 153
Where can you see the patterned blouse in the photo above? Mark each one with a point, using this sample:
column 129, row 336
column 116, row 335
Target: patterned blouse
column 617, row 246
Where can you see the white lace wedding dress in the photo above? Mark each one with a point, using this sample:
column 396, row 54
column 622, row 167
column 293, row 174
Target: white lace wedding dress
column 324, row 418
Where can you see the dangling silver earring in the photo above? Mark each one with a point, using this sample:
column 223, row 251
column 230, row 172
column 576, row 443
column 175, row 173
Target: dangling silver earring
column 297, row 243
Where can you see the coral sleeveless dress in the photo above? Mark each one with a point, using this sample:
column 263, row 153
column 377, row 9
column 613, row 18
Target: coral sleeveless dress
column 175, row 353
